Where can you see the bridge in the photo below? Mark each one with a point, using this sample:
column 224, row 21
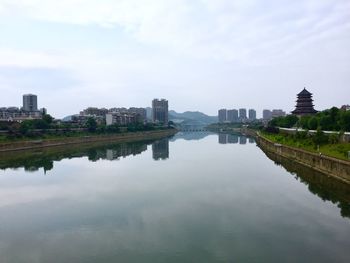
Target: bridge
column 194, row 130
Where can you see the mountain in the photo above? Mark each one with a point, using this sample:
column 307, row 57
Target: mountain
column 192, row 117
column 188, row 117
column 67, row 118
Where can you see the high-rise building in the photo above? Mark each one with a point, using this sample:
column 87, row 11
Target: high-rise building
column 141, row 112
column 30, row 102
column 92, row 111
column 160, row 111
column 222, row 114
column 232, row 116
column 243, row 114
column 304, row 104
column 121, row 118
column 278, row 113
column 267, row 114
column 252, row 115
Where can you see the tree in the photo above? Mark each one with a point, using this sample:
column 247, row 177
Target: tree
column 326, row 122
column 290, row 121
column 285, row 122
column 26, row 126
column 91, row 124
column 40, row 124
column 344, row 120
column 304, row 122
column 313, row 123
column 319, row 137
column 47, row 118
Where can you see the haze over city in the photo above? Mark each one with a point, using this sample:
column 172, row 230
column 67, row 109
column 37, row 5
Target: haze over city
column 200, row 55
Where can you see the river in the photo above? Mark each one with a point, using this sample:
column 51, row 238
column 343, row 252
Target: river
column 195, row 197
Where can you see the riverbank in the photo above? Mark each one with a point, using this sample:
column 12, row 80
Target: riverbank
column 326, row 187
column 115, row 138
column 337, row 168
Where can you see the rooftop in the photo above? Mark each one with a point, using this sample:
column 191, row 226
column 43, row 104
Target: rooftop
column 304, row 92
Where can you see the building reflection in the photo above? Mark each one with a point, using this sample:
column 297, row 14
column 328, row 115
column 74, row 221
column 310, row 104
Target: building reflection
column 125, row 150
column 32, row 161
column 242, row 140
column 232, row 138
column 189, row 136
column 222, row 138
column 225, row 138
column 160, row 149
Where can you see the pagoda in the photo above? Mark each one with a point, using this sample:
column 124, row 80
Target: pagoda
column 304, row 104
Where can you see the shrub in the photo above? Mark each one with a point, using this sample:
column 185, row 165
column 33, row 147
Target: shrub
column 319, row 138
column 333, row 138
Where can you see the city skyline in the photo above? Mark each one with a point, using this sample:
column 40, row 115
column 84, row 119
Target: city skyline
column 203, row 53
column 160, row 110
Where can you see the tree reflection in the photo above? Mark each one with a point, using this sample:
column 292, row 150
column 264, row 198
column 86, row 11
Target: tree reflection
column 44, row 158
column 325, row 187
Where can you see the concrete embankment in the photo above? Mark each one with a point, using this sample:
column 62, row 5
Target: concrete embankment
column 123, row 137
column 331, row 166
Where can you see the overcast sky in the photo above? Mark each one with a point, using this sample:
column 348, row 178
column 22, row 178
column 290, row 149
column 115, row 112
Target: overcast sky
column 199, row 54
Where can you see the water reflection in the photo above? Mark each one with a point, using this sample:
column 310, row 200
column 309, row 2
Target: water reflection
column 242, row 140
column 45, row 158
column 207, row 203
column 325, row 187
column 225, row 138
column 232, row 138
column 160, row 149
column 189, row 136
column 33, row 160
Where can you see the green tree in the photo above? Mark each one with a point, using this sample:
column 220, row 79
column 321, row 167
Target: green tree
column 26, row 126
column 290, row 120
column 91, row 124
column 344, row 120
column 319, row 137
column 313, row 123
column 326, row 122
column 48, row 118
column 304, row 122
column 40, row 124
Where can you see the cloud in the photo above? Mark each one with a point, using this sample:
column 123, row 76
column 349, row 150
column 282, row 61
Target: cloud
column 214, row 51
column 230, row 30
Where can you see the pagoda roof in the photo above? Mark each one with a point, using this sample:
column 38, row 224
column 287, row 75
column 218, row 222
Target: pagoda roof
column 304, row 92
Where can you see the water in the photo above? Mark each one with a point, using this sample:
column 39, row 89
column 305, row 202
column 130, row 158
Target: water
column 197, row 197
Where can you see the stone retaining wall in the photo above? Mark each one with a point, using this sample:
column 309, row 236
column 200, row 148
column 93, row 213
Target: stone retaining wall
column 328, row 165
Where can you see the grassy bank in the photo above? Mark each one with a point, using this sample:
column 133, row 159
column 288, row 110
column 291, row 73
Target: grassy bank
column 66, row 134
column 336, row 150
column 45, row 136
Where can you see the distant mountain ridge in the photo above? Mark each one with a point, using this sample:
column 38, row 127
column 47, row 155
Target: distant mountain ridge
column 192, row 116
column 187, row 117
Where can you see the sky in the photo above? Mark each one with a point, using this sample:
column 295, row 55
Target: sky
column 199, row 54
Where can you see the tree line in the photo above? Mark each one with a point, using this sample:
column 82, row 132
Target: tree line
column 47, row 125
column 333, row 119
